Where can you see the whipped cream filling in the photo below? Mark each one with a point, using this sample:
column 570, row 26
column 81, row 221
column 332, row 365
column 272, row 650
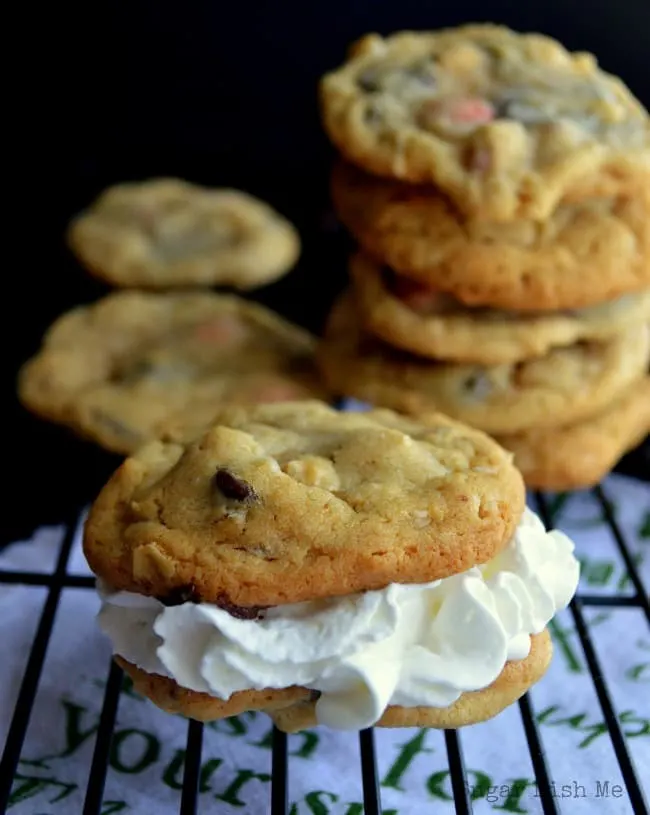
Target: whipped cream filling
column 410, row 645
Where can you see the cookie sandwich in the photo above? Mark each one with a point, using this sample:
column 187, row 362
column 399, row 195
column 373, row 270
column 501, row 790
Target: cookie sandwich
column 343, row 569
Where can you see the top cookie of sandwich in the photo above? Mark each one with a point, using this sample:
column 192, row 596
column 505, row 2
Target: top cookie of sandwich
column 296, row 501
column 507, row 124
column 166, row 233
column 123, row 368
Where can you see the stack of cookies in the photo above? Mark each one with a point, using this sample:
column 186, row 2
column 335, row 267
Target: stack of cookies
column 499, row 188
column 332, row 568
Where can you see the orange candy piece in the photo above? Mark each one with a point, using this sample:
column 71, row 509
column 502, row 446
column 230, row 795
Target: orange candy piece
column 416, row 296
column 225, row 330
column 456, row 115
column 469, row 111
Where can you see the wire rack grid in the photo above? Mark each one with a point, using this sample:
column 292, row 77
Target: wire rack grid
column 60, row 580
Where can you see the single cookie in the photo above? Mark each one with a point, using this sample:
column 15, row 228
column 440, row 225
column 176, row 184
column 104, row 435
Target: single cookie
column 119, row 370
column 507, row 124
column 585, row 253
column 565, row 386
column 434, row 324
column 289, row 502
column 166, row 233
column 580, row 455
column 470, row 708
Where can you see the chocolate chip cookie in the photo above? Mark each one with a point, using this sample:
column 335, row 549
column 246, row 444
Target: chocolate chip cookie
column 167, row 233
column 507, row 124
column 299, row 490
column 431, row 323
column 565, row 386
column 120, row 370
column 584, row 254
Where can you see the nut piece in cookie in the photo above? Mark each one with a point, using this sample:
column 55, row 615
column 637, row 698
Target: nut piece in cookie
column 382, row 570
column 167, row 233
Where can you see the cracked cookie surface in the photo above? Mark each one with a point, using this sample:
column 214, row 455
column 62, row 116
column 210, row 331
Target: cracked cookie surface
column 120, row 370
column 584, row 254
column 166, row 233
column 434, row 324
column 507, row 124
column 564, row 386
column 296, row 501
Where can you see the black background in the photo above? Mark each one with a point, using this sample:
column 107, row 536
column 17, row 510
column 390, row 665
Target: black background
column 218, row 93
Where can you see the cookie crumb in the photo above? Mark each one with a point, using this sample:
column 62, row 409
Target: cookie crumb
column 421, row 518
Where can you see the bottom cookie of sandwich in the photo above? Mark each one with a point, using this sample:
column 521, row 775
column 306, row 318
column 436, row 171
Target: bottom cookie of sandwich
column 470, row 708
column 172, row 698
column 294, row 709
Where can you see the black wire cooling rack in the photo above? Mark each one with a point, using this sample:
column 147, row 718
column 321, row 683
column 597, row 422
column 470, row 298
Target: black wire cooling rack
column 279, row 802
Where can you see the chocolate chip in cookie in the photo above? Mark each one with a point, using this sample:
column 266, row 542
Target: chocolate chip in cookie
column 422, row 73
column 181, row 594
column 369, row 80
column 478, row 386
column 241, row 612
column 233, row 487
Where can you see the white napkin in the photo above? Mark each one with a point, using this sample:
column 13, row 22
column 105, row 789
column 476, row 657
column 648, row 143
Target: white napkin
column 147, row 753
